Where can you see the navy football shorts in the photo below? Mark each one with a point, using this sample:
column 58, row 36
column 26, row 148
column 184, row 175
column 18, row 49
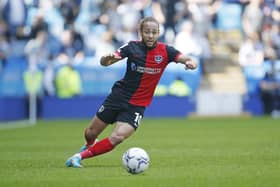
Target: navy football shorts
column 110, row 113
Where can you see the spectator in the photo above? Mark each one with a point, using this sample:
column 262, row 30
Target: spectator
column 182, row 11
column 38, row 24
column 52, row 16
column 33, row 85
column 270, row 87
column 68, row 82
column 151, row 8
column 201, row 16
column 129, row 17
column 69, row 11
column 275, row 13
column 275, row 37
column 72, row 47
column 169, row 11
column 161, row 90
column 187, row 41
column 33, row 81
column 251, row 51
column 90, row 11
column 37, row 49
column 179, row 88
column 110, row 16
column 252, row 19
column 15, row 13
column 105, row 44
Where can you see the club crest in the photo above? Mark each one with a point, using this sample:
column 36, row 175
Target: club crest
column 158, row 59
column 133, row 66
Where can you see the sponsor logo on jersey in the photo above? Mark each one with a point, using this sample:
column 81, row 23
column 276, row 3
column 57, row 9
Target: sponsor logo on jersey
column 158, row 58
column 148, row 70
column 142, row 69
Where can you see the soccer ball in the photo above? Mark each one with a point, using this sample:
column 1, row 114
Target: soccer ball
column 136, row 160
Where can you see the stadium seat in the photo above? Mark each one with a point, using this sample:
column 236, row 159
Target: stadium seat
column 16, row 62
column 229, row 17
column 277, row 68
column 11, row 79
column 253, row 76
column 12, row 83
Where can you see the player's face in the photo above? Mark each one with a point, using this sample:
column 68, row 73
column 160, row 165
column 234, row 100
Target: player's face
column 150, row 33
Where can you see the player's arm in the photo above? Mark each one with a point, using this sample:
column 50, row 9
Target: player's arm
column 110, row 59
column 187, row 61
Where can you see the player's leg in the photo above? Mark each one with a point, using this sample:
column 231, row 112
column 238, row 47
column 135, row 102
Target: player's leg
column 96, row 127
column 105, row 115
column 121, row 132
column 127, row 122
column 92, row 131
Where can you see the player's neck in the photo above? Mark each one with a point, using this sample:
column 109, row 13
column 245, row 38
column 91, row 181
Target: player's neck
column 149, row 48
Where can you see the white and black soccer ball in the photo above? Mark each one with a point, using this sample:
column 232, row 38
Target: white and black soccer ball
column 136, row 160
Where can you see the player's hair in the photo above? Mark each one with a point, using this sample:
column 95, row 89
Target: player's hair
column 147, row 19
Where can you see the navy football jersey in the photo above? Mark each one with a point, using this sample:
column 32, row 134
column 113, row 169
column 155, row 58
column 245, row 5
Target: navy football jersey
column 144, row 69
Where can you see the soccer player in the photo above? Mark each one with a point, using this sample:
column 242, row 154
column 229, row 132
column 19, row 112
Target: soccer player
column 125, row 105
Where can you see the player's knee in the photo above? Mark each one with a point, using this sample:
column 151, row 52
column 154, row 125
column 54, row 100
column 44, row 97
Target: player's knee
column 116, row 139
column 89, row 135
column 91, row 132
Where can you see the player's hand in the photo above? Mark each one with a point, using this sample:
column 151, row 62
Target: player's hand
column 109, row 59
column 190, row 64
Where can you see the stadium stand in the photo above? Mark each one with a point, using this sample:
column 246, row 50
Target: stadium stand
column 102, row 26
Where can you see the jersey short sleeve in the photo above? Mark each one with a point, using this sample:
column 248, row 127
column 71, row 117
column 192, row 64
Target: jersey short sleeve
column 173, row 54
column 123, row 51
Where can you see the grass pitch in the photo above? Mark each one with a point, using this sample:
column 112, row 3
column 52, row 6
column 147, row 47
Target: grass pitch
column 238, row 152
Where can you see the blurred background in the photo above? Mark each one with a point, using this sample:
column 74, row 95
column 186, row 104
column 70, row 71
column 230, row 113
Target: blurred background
column 50, row 51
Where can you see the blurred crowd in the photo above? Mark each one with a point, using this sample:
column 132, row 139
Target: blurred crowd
column 58, row 32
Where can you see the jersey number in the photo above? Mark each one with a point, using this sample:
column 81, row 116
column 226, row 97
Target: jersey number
column 137, row 119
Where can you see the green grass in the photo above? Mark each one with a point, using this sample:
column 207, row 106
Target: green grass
column 229, row 152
